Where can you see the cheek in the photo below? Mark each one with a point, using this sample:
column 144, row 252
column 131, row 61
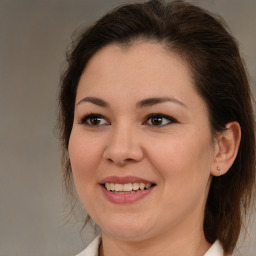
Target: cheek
column 183, row 162
column 183, row 166
column 84, row 157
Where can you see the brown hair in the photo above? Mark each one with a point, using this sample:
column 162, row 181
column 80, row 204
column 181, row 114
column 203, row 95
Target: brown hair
column 219, row 76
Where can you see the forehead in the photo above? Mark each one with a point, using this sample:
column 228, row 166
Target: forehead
column 138, row 54
column 144, row 65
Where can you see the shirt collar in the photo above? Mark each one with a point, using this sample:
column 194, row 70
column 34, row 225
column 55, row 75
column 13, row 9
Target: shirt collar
column 93, row 249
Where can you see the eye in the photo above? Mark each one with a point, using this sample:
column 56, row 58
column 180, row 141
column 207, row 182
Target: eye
column 159, row 120
column 94, row 120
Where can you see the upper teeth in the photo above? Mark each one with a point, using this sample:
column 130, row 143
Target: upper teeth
column 126, row 187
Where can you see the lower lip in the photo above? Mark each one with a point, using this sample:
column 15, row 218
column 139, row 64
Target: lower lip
column 126, row 198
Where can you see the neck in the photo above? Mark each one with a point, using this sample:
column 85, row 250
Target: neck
column 191, row 243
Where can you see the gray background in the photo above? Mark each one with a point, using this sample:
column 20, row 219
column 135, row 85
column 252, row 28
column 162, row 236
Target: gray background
column 34, row 35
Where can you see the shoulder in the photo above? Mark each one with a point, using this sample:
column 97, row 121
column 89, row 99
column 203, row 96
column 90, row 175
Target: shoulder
column 92, row 249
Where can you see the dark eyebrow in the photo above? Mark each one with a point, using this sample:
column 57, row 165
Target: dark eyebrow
column 96, row 101
column 153, row 101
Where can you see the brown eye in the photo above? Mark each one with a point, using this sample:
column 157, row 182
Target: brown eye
column 94, row 120
column 159, row 120
column 156, row 120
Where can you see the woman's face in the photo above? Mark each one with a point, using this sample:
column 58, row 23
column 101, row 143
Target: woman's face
column 140, row 123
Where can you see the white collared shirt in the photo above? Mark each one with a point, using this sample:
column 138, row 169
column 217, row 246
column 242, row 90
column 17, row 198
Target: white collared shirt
column 93, row 249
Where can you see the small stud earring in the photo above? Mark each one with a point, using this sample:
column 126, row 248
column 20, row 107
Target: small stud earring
column 218, row 169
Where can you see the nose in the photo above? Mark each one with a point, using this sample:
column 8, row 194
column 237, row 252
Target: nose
column 123, row 146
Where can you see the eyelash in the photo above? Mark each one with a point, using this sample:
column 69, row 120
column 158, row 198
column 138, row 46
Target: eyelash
column 84, row 120
column 171, row 120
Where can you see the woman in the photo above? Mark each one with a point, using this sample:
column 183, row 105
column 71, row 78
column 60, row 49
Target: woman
column 158, row 131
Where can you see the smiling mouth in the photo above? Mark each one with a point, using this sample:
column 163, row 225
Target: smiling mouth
column 126, row 188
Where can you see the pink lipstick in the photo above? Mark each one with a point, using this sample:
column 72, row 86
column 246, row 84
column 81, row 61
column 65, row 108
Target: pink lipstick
column 123, row 190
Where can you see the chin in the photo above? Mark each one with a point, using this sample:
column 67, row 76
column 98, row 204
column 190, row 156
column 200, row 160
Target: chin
column 127, row 230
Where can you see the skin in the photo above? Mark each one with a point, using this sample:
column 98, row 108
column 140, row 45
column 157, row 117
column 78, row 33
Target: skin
column 178, row 156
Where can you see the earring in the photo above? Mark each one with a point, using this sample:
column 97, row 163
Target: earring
column 218, row 169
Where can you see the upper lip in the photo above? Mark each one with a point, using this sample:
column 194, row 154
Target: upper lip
column 124, row 180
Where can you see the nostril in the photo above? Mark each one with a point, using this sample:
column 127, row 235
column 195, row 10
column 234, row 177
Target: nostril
column 121, row 162
column 122, row 155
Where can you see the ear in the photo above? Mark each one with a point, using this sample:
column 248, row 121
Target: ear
column 226, row 148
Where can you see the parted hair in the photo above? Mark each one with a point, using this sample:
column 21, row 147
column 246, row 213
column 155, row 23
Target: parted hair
column 203, row 40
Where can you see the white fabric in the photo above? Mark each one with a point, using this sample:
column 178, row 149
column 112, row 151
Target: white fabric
column 215, row 250
column 93, row 249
